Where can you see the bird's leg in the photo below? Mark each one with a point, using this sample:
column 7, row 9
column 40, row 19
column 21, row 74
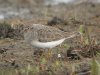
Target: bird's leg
column 49, row 54
column 43, row 53
column 60, row 45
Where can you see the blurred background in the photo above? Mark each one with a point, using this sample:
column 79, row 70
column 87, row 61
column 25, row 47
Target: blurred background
column 80, row 10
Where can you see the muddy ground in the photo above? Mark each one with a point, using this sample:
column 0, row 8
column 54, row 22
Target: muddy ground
column 15, row 53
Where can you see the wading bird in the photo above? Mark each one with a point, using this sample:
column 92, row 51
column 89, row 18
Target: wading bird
column 45, row 37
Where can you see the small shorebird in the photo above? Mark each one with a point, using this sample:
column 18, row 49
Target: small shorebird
column 45, row 37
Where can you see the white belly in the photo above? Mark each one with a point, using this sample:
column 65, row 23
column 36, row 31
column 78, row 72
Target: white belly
column 47, row 44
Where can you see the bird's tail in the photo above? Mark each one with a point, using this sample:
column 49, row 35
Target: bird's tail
column 74, row 34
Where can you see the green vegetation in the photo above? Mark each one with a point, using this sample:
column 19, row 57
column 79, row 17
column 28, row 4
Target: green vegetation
column 86, row 40
column 5, row 30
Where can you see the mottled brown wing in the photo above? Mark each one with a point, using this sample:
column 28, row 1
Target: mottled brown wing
column 47, row 33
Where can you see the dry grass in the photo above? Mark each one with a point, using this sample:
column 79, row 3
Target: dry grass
column 88, row 48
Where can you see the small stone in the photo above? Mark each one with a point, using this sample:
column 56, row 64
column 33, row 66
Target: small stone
column 59, row 55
